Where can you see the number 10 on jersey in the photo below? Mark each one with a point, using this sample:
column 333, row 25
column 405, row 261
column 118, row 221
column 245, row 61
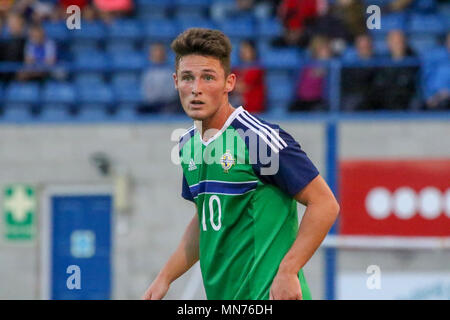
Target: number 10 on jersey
column 215, row 209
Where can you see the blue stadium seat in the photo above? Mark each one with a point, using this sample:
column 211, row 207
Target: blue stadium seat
column 423, row 6
column 280, row 90
column 88, row 78
column 16, row 112
column 125, row 29
column 141, row 4
column 153, row 9
column 78, row 47
column 421, row 43
column 193, row 13
column 123, row 61
column 392, row 21
column 197, row 23
column 113, row 46
column 161, row 29
column 125, row 79
column 58, row 93
column 380, row 47
column 350, row 55
column 91, row 61
column 95, row 94
column 92, row 112
column 89, row 31
column 192, row 3
column 127, row 112
column 56, row 30
column 427, row 23
column 128, row 93
column 55, row 112
column 269, row 28
column 440, row 79
column 17, row 92
column 239, row 28
column 281, row 58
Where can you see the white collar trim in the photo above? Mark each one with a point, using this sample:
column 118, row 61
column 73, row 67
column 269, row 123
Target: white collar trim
column 225, row 126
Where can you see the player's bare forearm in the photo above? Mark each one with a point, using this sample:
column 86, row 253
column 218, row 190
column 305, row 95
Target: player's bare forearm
column 186, row 254
column 321, row 212
column 184, row 257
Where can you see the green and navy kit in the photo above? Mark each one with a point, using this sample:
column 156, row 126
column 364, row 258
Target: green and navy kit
column 248, row 218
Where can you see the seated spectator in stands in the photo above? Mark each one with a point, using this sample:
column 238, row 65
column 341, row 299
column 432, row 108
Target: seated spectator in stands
column 35, row 11
column 395, row 87
column 311, row 84
column 40, row 53
column 295, row 16
column 356, row 82
column 439, row 84
column 157, row 83
column 364, row 47
column 250, row 86
column 343, row 21
column 12, row 48
column 398, row 47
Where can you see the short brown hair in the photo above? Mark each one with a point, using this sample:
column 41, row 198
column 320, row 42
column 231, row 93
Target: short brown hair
column 204, row 42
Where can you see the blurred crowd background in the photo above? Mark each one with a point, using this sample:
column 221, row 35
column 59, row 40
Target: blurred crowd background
column 290, row 55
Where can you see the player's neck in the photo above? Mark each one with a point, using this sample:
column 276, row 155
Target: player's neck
column 210, row 126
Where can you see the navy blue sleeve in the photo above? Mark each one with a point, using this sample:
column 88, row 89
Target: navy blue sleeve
column 275, row 156
column 295, row 170
column 185, row 191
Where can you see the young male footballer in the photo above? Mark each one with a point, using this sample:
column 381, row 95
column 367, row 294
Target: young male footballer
column 244, row 176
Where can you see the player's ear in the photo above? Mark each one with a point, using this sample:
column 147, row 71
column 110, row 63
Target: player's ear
column 230, row 82
column 175, row 80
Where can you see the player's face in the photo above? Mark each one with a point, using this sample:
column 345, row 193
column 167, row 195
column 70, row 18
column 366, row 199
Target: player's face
column 202, row 86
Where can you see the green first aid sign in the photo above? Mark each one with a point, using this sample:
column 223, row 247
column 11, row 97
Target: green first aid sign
column 19, row 211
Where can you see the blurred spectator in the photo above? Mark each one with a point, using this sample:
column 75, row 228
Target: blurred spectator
column 80, row 3
column 35, row 11
column 439, row 83
column 357, row 81
column 364, row 47
column 12, row 48
column 342, row 23
column 40, row 53
column 14, row 44
column 394, row 87
column 109, row 10
column 351, row 13
column 5, row 6
column 157, row 83
column 397, row 5
column 398, row 47
column 311, row 84
column 295, row 15
column 250, row 86
column 384, row 87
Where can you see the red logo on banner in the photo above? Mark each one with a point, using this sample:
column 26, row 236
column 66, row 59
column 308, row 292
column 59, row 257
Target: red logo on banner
column 400, row 198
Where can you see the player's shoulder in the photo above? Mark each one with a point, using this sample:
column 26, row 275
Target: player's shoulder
column 185, row 137
column 265, row 132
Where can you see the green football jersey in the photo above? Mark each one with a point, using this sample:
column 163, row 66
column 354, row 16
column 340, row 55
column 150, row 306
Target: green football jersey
column 243, row 181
